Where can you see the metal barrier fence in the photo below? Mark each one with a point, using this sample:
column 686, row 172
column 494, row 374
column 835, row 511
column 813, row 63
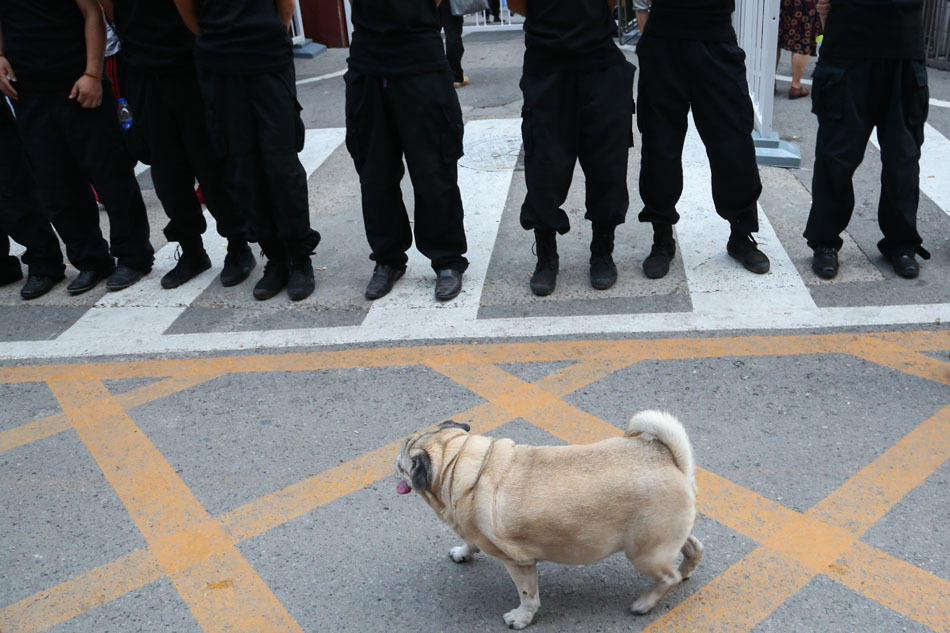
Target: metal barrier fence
column 756, row 24
column 937, row 33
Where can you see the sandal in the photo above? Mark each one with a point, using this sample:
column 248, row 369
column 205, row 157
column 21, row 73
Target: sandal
column 797, row 93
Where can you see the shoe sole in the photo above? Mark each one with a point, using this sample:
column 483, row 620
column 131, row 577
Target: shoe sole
column 602, row 285
column 449, row 297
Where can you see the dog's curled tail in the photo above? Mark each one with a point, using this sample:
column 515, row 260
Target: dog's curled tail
column 668, row 430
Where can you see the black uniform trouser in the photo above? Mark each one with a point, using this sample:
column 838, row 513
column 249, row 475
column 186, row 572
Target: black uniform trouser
column 710, row 78
column 416, row 116
column 70, row 147
column 454, row 49
column 19, row 215
column 851, row 97
column 494, row 8
column 169, row 113
column 573, row 115
column 255, row 125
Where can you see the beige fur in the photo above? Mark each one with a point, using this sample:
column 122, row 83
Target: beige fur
column 568, row 504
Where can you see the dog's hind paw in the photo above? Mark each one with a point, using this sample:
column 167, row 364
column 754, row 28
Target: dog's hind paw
column 518, row 618
column 463, row 553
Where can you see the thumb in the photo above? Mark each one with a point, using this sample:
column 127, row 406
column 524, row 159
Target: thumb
column 75, row 91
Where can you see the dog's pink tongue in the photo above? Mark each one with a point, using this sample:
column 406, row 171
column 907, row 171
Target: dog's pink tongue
column 403, row 488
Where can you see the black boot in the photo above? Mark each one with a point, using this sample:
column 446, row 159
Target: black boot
column 603, row 271
column 300, row 284
column 238, row 263
column 544, row 278
column 657, row 263
column 194, row 260
column 274, row 280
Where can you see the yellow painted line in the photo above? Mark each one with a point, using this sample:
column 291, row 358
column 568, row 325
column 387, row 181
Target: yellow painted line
column 901, row 359
column 740, row 509
column 190, row 546
column 48, row 608
column 739, row 598
column 522, row 399
column 896, row 584
column 865, row 498
column 661, row 349
column 57, row 423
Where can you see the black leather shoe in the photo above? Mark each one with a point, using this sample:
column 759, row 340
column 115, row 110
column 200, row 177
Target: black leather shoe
column 300, row 282
column 382, row 281
column 38, row 285
column 824, row 262
column 238, row 264
column 905, row 264
column 10, row 271
column 86, row 280
column 123, row 277
column 744, row 249
column 189, row 265
column 274, row 280
column 448, row 284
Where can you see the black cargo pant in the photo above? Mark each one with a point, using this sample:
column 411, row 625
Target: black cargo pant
column 710, row 78
column 255, row 126
column 573, row 115
column 454, row 49
column 70, row 147
column 169, row 114
column 20, row 217
column 416, row 116
column 851, row 97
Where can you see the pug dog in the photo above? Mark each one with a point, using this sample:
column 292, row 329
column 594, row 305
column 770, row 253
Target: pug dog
column 567, row 504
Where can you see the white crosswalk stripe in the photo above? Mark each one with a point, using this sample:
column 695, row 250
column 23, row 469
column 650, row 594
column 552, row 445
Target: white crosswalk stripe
column 723, row 295
column 716, row 282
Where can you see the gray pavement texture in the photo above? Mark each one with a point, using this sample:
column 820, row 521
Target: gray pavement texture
column 792, row 427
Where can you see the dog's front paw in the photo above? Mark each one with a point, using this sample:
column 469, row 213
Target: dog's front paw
column 518, row 618
column 463, row 553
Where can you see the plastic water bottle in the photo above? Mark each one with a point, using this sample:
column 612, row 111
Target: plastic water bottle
column 125, row 114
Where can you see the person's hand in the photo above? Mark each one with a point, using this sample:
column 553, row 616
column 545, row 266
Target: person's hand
column 87, row 91
column 6, row 77
column 823, row 6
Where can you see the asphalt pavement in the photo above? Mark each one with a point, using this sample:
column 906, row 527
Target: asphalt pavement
column 194, row 460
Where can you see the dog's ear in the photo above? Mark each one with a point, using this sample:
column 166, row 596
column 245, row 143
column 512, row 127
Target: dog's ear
column 452, row 424
column 421, row 472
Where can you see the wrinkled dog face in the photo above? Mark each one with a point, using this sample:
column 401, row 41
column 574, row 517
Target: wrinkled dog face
column 414, row 465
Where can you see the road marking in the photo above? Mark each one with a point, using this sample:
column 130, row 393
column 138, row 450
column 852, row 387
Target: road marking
column 472, row 365
column 895, row 583
column 491, row 147
column 190, row 546
column 311, row 80
column 53, row 424
column 717, row 283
